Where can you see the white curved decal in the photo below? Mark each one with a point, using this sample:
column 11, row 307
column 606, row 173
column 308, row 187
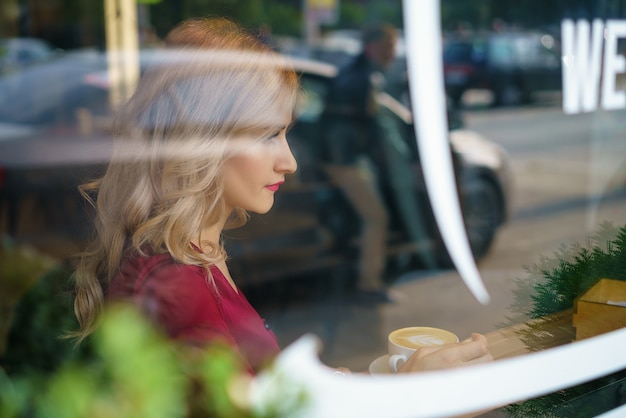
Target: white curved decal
column 425, row 68
column 305, row 388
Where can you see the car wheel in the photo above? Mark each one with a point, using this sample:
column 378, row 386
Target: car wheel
column 482, row 214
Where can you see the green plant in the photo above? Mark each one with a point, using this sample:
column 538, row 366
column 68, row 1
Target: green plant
column 39, row 320
column 127, row 369
column 20, row 268
column 552, row 286
column 134, row 372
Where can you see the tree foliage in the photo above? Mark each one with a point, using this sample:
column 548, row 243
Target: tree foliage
column 285, row 17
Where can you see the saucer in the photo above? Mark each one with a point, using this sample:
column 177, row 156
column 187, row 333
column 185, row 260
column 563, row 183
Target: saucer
column 379, row 366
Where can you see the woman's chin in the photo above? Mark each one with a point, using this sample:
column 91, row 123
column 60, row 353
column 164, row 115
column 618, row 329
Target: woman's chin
column 262, row 210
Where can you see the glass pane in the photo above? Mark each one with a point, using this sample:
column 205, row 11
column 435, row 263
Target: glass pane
column 350, row 249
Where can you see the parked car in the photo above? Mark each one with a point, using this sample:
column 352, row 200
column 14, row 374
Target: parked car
column 18, row 53
column 47, row 93
column 513, row 66
column 312, row 227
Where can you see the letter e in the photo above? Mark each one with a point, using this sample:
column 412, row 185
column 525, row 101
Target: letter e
column 613, row 63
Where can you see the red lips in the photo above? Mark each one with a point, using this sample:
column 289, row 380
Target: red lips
column 274, row 187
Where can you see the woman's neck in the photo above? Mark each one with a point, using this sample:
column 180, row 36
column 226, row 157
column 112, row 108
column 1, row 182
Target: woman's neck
column 212, row 235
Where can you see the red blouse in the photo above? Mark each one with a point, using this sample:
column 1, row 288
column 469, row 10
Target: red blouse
column 193, row 309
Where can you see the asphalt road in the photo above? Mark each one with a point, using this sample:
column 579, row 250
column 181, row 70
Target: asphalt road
column 569, row 175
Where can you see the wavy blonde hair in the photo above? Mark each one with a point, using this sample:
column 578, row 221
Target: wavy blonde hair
column 163, row 185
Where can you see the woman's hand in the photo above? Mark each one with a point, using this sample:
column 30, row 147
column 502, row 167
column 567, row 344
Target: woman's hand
column 470, row 351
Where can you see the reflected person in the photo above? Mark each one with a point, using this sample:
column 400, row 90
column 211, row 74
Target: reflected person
column 352, row 135
column 201, row 143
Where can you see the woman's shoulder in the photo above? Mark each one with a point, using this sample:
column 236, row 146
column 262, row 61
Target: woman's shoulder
column 150, row 260
column 149, row 269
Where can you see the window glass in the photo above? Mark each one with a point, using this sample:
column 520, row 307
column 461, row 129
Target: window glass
column 351, row 248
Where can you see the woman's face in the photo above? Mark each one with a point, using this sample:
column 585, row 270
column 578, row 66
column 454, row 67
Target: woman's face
column 256, row 171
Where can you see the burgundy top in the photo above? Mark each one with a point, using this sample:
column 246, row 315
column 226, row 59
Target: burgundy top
column 191, row 308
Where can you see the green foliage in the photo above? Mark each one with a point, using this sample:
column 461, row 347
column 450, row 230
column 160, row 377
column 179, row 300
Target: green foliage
column 552, row 286
column 284, row 19
column 135, row 372
column 582, row 401
column 40, row 318
column 351, row 15
column 20, row 268
column 572, row 278
column 385, row 11
column 127, row 369
column 475, row 13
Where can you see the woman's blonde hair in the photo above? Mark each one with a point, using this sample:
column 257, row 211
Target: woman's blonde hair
column 163, row 185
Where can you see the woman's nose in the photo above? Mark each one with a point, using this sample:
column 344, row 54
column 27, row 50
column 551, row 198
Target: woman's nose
column 286, row 162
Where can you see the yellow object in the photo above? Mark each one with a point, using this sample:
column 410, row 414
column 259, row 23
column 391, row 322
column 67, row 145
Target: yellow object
column 600, row 309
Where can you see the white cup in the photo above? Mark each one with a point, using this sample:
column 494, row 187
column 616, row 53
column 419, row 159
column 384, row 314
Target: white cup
column 403, row 342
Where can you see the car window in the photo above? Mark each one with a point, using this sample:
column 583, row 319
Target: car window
column 311, row 99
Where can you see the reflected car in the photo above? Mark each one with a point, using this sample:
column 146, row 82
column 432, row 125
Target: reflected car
column 18, row 53
column 312, row 228
column 48, row 93
column 513, row 66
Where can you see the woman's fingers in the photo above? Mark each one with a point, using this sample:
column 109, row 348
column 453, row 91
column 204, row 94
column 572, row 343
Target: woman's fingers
column 474, row 349
column 471, row 351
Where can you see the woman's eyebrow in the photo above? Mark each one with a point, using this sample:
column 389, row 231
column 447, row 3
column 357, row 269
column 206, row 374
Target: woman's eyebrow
column 260, row 129
column 276, row 128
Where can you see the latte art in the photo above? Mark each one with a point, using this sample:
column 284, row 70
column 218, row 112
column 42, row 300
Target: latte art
column 420, row 340
column 403, row 342
column 416, row 337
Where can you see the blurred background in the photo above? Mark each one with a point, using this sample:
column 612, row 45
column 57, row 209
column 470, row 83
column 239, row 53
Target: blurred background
column 532, row 180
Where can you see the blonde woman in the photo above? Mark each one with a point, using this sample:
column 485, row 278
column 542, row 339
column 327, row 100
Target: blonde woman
column 201, row 143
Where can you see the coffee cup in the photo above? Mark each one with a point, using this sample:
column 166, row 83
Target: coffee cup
column 403, row 342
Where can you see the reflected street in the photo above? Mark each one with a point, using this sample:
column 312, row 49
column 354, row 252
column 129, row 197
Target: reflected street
column 557, row 165
column 561, row 174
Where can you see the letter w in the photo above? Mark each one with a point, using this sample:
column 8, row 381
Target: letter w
column 581, row 66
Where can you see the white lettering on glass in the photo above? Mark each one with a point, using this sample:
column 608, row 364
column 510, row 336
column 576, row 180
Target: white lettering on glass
column 614, row 63
column 581, row 67
column 584, row 66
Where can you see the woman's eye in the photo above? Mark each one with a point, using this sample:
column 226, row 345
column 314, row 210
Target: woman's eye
column 274, row 135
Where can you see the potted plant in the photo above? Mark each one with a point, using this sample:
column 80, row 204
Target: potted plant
column 553, row 285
